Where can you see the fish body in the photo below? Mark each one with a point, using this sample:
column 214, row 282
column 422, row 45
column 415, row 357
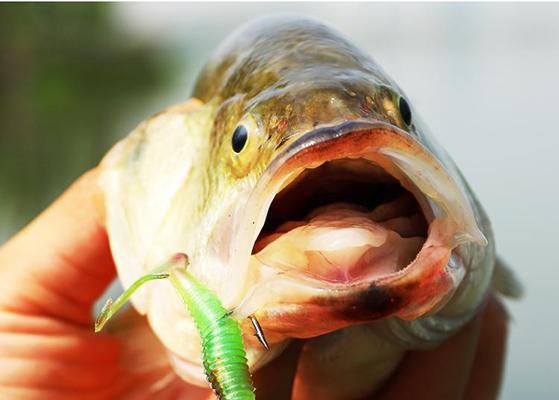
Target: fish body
column 307, row 193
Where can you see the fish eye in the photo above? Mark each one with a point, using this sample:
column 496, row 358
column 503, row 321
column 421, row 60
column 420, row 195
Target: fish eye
column 405, row 111
column 245, row 145
column 239, row 139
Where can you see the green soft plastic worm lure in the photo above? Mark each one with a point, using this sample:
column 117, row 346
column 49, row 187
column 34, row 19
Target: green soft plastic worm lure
column 223, row 351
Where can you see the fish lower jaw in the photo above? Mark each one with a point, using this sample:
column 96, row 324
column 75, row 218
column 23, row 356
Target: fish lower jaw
column 294, row 303
column 345, row 265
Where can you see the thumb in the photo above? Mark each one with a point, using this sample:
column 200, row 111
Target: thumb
column 60, row 263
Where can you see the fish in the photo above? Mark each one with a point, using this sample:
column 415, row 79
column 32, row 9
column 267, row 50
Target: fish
column 309, row 196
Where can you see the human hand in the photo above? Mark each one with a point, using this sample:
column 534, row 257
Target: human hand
column 53, row 271
column 467, row 366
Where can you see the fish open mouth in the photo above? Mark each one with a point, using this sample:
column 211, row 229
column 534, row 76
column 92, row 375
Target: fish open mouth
column 356, row 222
column 344, row 221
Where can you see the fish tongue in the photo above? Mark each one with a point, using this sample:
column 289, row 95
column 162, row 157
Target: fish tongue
column 339, row 243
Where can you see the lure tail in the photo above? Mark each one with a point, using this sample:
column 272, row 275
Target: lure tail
column 110, row 308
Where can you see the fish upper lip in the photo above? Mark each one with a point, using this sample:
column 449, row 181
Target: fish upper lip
column 450, row 200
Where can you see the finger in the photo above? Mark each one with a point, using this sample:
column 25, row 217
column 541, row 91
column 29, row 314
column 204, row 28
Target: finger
column 485, row 380
column 274, row 381
column 56, row 358
column 437, row 374
column 35, row 337
column 73, row 348
column 55, row 374
column 61, row 262
column 26, row 393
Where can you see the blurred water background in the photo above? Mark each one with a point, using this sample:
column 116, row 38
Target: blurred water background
column 74, row 78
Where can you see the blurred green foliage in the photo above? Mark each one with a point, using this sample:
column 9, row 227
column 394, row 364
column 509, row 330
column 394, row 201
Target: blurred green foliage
column 67, row 78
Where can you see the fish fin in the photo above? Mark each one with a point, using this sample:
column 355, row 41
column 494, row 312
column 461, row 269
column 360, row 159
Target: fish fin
column 153, row 171
column 148, row 372
column 505, row 281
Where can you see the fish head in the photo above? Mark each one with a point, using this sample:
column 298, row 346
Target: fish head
column 353, row 140
column 317, row 199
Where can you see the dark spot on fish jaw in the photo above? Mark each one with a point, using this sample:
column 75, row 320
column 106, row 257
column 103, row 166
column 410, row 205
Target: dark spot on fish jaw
column 369, row 304
column 374, row 301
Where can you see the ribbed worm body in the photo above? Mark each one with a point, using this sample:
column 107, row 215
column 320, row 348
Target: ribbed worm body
column 225, row 360
column 224, row 355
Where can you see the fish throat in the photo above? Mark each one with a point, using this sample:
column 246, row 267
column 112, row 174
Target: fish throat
column 345, row 220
